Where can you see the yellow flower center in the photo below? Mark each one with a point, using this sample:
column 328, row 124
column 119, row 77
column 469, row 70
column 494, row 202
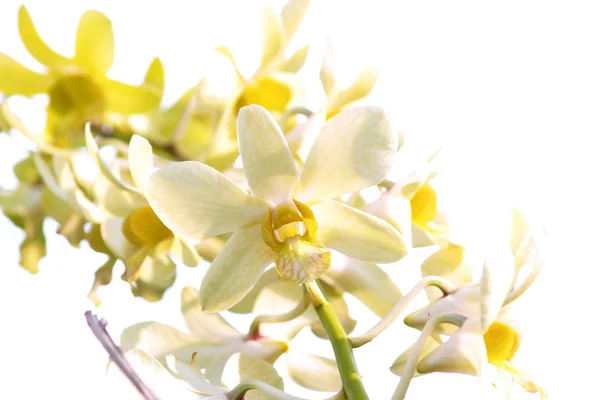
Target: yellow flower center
column 267, row 92
column 501, row 343
column 143, row 227
column 423, row 205
column 290, row 229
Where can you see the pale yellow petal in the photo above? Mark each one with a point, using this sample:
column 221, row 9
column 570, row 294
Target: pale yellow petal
column 141, row 160
column 296, row 60
column 357, row 234
column 246, row 305
column 463, row 353
column 451, row 262
column 206, row 327
column 267, row 160
column 195, row 200
column 360, row 88
column 95, row 43
column 496, row 282
column 314, row 372
column 34, row 43
column 273, row 38
column 328, row 71
column 236, row 269
column 397, row 367
column 16, row 79
column 155, row 74
column 365, row 281
column 122, row 98
column 292, row 15
column 354, row 150
column 256, row 368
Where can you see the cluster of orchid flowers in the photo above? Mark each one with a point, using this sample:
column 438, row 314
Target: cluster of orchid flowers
column 274, row 196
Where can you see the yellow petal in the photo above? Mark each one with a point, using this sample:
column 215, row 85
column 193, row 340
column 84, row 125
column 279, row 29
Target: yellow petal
column 501, row 342
column 236, row 269
column 296, row 61
column 143, row 227
column 256, row 368
column 155, row 75
column 355, row 150
column 196, row 201
column 95, row 43
column 268, row 92
column 423, row 205
column 449, row 262
column 266, row 158
column 16, row 79
column 357, row 234
column 34, row 43
column 301, row 261
column 122, row 98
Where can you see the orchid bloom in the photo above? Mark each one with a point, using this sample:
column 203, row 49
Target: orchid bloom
column 288, row 218
column 78, row 87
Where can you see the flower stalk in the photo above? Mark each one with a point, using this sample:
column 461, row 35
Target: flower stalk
column 342, row 347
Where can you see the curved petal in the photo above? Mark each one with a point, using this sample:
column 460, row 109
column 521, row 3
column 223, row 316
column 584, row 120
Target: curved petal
column 141, row 160
column 195, row 200
column 34, row 43
column 266, row 157
column 155, row 74
column 314, row 372
column 296, row 61
column 397, row 367
column 236, row 269
column 496, row 282
column 193, row 376
column 463, row 353
column 122, row 98
column 256, row 368
column 450, row 262
column 95, row 42
column 365, row 281
column 357, row 234
column 246, row 305
column 292, row 15
column 354, row 150
column 16, row 79
column 207, row 327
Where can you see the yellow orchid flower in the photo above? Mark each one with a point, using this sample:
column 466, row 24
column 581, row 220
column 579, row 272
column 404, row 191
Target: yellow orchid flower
column 288, row 219
column 78, row 87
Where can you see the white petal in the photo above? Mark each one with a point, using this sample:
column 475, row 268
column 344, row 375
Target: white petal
column 194, row 200
column 397, row 367
column 463, row 353
column 206, row 327
column 236, row 269
column 496, row 282
column 112, row 234
column 141, row 162
column 394, row 208
column 192, row 375
column 273, row 40
column 314, row 372
column 156, row 377
column 365, row 281
column 357, row 234
column 267, row 160
column 354, row 150
column 329, row 71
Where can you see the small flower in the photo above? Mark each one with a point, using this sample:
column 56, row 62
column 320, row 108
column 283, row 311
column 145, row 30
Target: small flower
column 289, row 218
column 78, row 87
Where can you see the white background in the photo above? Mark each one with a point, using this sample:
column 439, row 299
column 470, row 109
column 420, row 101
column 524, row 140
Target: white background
column 512, row 88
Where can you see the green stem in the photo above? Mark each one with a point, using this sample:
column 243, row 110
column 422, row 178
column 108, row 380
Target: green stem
column 342, row 348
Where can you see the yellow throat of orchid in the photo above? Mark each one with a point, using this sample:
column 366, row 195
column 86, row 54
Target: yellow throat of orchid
column 501, row 343
column 143, row 227
column 290, row 229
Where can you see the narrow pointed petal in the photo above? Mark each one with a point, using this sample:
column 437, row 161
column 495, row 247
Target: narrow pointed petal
column 354, row 150
column 206, row 327
column 292, row 15
column 314, row 372
column 16, row 79
column 463, row 353
column 365, row 281
column 329, row 71
column 273, row 37
column 194, row 200
column 296, row 61
column 155, row 75
column 496, row 282
column 95, row 43
column 236, row 270
column 122, row 98
column 267, row 160
column 357, row 234
column 141, row 160
column 34, row 43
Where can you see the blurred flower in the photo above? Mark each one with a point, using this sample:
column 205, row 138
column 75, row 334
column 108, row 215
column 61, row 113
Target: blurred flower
column 352, row 152
column 78, row 87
